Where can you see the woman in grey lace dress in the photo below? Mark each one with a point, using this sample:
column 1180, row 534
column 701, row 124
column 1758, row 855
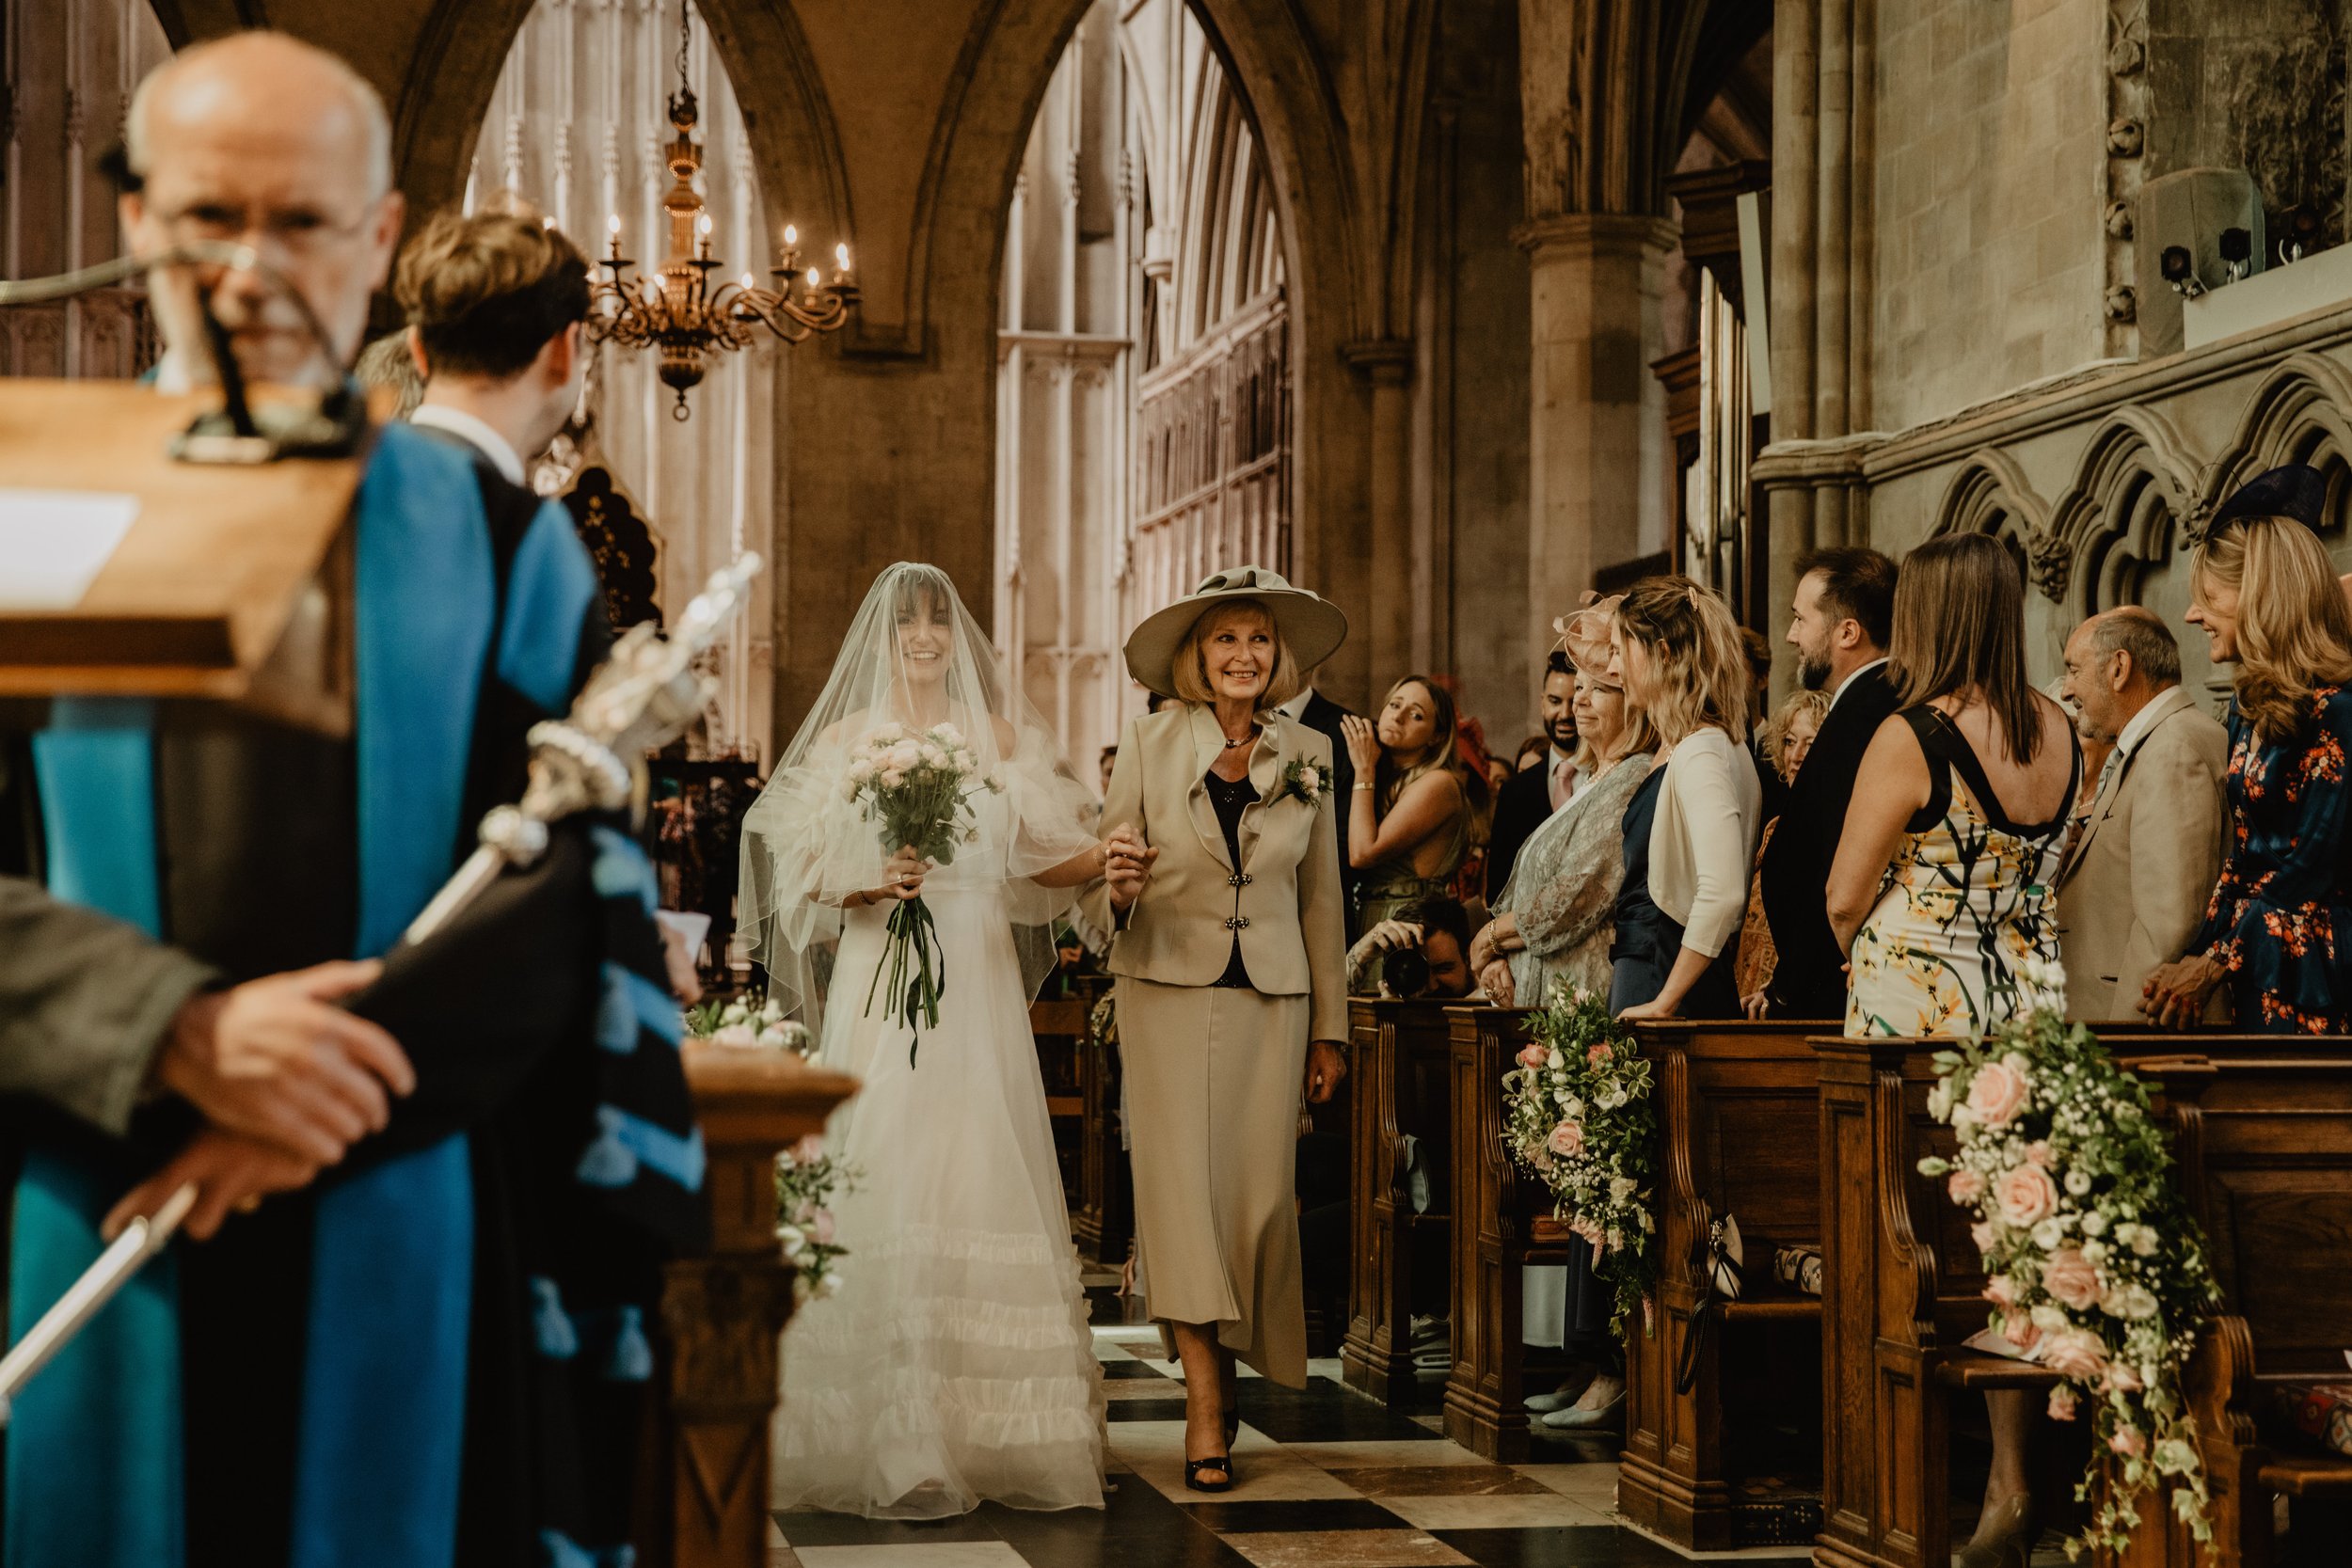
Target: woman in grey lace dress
column 1555, row 919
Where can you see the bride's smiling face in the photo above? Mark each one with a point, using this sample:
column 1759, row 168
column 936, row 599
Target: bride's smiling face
column 926, row 638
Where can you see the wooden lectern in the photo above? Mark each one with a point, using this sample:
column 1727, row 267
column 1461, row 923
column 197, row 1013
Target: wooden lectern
column 231, row 585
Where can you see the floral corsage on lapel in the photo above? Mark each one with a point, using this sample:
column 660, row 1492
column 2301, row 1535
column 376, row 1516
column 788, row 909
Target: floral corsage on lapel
column 1304, row 781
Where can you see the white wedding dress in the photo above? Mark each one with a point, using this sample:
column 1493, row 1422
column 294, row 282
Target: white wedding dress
column 955, row 1364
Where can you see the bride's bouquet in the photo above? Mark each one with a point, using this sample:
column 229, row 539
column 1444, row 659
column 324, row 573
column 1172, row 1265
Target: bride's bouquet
column 919, row 787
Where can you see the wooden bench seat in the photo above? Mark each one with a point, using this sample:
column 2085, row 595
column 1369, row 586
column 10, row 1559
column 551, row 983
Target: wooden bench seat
column 1738, row 1114
column 2308, row 1476
column 1401, row 1085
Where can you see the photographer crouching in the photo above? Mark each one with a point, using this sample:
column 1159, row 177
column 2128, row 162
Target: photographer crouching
column 1424, row 949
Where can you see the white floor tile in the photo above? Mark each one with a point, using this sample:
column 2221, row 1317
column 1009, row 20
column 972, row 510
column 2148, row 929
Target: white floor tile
column 1532, row 1510
column 928, row 1554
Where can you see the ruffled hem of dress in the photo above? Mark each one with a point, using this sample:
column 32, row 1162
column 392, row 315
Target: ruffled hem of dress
column 828, row 1328
column 1015, row 1248
column 1048, row 1411
column 1048, row 1479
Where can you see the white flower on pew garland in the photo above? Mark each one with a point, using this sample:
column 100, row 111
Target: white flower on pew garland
column 807, row 1181
column 1578, row 1113
column 2096, row 1268
column 748, row 1021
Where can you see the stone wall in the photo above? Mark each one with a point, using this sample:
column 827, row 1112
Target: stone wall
column 1987, row 197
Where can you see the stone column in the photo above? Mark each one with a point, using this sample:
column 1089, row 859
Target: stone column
column 1386, row 364
column 1596, row 494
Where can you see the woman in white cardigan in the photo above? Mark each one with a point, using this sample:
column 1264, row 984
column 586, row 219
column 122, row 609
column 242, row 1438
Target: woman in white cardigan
column 1691, row 828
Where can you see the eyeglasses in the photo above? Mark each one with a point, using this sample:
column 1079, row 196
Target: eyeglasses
column 295, row 230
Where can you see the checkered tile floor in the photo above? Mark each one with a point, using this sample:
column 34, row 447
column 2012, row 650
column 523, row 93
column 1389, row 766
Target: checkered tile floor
column 1324, row 1477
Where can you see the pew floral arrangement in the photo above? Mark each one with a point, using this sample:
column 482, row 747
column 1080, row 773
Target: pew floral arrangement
column 2097, row 1269
column 1578, row 1114
column 807, row 1181
column 747, row 1020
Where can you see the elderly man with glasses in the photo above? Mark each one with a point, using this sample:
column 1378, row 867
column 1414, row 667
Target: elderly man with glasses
column 424, row 1351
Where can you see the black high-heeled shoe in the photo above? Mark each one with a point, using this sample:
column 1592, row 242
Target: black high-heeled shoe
column 1214, row 1462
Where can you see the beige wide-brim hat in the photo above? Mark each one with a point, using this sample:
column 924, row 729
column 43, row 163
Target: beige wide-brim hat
column 1310, row 623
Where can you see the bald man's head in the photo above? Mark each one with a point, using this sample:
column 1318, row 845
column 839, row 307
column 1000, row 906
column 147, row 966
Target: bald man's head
column 263, row 139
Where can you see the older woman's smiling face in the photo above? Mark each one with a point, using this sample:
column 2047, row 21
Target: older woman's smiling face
column 1237, row 652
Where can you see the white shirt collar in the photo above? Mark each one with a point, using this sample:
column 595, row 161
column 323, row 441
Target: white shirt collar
column 1296, row 706
column 2145, row 720
column 1856, row 677
column 458, row 423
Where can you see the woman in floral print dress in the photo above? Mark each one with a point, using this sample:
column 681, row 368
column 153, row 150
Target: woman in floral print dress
column 1942, row 892
column 2279, row 930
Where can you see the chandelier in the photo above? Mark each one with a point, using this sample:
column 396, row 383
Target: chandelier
column 676, row 310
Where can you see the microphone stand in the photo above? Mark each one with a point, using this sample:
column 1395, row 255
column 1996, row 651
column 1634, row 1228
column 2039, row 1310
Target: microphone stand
column 643, row 696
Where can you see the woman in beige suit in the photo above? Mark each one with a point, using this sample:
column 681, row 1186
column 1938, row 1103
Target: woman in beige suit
column 1222, row 889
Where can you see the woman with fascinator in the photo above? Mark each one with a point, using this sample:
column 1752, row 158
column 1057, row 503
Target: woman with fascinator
column 954, row 1366
column 2279, row 930
column 1223, row 893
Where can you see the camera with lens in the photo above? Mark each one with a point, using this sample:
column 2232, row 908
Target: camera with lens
column 1407, row 972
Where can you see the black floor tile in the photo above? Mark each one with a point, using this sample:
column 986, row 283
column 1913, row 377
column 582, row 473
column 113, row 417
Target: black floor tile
column 1133, row 1369
column 1250, row 1518
column 1137, row 1528
column 1323, row 1411
column 1169, row 1409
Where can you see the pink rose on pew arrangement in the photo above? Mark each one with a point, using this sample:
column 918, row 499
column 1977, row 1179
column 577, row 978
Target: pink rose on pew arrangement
column 2025, row 1193
column 1998, row 1091
column 2096, row 1267
column 1578, row 1113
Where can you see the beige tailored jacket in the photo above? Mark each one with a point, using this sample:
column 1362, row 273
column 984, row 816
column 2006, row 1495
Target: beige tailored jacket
column 1283, row 901
column 2133, row 889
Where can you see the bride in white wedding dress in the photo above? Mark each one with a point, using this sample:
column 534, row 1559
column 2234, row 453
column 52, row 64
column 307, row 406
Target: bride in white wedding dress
column 955, row 1364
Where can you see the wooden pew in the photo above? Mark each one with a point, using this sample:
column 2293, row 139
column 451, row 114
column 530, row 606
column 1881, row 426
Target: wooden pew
column 1103, row 1220
column 1494, row 1235
column 1738, row 1118
column 1400, row 1073
column 1059, row 1028
column 2264, row 1136
column 703, row 1488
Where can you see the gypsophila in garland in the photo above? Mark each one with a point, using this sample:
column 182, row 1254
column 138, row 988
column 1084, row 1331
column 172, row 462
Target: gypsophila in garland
column 748, row 1021
column 807, row 1181
column 1578, row 1114
column 2096, row 1268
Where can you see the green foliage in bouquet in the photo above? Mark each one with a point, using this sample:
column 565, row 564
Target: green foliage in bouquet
column 1577, row 1112
column 2096, row 1268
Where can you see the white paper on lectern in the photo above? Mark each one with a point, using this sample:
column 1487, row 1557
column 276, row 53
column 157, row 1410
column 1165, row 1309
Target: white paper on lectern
column 54, row 543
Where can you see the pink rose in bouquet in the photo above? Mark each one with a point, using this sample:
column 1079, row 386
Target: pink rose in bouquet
column 2063, row 1403
column 1599, row 1053
column 2025, row 1194
column 2070, row 1278
column 1966, row 1186
column 1532, row 1055
column 2001, row 1291
column 1568, row 1139
column 1996, row 1093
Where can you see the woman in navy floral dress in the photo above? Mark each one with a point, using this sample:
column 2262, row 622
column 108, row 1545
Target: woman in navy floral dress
column 2279, row 930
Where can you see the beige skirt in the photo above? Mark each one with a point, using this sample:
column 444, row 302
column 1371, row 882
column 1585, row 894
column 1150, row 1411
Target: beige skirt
column 1213, row 1083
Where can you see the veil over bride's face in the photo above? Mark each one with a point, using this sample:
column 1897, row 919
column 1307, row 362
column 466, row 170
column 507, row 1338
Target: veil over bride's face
column 926, row 637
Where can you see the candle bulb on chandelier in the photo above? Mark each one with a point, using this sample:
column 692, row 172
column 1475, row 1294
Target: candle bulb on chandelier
column 702, row 239
column 815, row 282
column 612, row 229
column 841, row 265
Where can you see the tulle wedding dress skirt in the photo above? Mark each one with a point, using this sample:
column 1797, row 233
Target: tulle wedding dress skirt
column 955, row 1364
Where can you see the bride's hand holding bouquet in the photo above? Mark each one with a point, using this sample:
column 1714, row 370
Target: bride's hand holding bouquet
column 918, row 786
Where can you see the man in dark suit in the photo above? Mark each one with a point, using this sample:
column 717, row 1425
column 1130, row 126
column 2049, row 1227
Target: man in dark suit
column 1839, row 625
column 1321, row 714
column 1531, row 795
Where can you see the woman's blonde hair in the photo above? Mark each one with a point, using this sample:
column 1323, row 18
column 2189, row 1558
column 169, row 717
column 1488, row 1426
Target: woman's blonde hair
column 1959, row 631
column 1188, row 672
column 1777, row 728
column 1698, row 667
column 1390, row 781
column 2293, row 631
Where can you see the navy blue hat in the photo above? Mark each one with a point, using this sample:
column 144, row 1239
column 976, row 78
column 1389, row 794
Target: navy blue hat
column 2296, row 490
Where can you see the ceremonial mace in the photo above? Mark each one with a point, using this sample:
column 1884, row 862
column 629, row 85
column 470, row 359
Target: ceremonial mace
column 640, row 698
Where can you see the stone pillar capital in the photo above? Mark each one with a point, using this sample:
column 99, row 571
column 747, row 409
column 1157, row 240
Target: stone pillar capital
column 1589, row 232
column 1382, row 361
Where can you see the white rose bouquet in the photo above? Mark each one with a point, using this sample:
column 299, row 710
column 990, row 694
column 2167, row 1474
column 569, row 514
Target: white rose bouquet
column 807, row 1181
column 918, row 785
column 1577, row 1112
column 2097, row 1269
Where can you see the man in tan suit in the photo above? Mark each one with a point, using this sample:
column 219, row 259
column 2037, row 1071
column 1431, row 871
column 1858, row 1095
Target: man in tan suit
column 2135, row 884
